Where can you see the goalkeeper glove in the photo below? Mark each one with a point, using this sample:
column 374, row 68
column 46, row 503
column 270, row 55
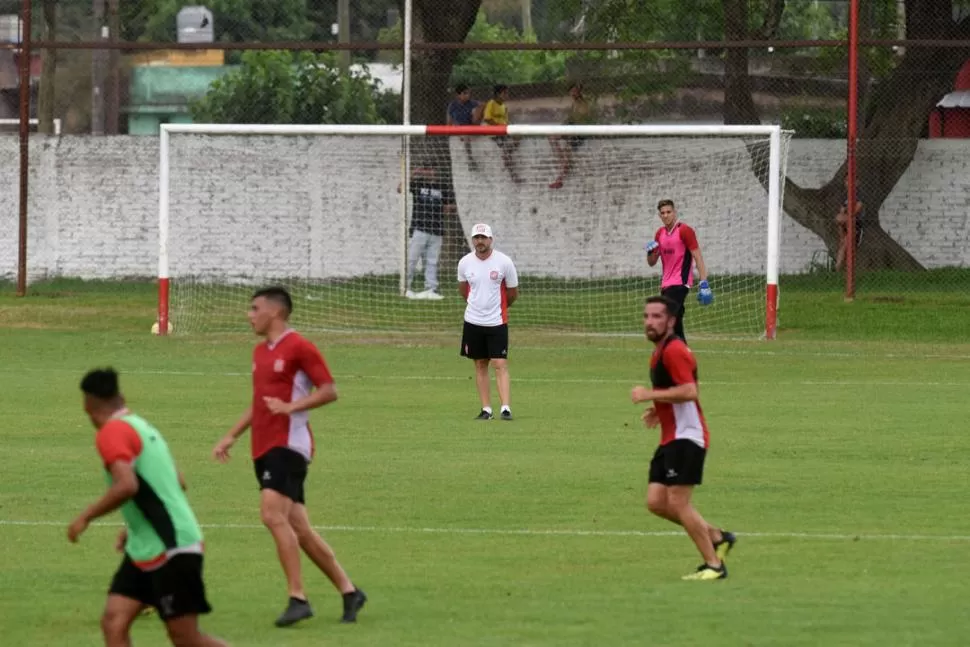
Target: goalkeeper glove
column 705, row 296
column 651, row 246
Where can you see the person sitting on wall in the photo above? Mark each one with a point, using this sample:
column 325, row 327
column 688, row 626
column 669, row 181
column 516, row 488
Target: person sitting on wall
column 465, row 111
column 497, row 114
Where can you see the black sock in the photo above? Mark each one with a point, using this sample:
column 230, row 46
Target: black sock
column 299, row 601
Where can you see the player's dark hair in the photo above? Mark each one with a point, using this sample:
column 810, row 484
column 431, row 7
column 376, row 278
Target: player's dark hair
column 672, row 306
column 461, row 87
column 101, row 383
column 498, row 89
column 664, row 203
column 276, row 294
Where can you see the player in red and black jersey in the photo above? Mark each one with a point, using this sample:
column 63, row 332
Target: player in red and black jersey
column 678, row 464
column 290, row 377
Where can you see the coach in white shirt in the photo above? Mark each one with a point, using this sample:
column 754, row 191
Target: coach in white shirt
column 489, row 283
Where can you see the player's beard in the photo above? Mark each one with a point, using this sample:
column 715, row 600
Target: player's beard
column 656, row 335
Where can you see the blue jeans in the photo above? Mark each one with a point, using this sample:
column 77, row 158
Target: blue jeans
column 426, row 246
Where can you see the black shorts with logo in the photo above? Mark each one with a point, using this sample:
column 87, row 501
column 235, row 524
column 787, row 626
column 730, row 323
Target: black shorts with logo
column 485, row 342
column 175, row 588
column 680, row 462
column 282, row 470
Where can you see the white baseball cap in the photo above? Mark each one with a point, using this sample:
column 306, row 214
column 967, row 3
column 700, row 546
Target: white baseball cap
column 481, row 229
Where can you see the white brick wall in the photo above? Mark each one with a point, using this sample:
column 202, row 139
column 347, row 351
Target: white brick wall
column 328, row 207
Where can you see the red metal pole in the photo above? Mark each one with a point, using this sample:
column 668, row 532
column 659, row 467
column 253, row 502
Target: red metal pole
column 853, row 110
column 24, row 146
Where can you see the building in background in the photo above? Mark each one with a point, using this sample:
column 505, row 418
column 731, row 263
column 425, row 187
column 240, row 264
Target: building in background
column 10, row 71
column 162, row 83
column 951, row 118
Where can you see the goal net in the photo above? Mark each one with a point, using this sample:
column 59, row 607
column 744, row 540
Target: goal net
column 327, row 211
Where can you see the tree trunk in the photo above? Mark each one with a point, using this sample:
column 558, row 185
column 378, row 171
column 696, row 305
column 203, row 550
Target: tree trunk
column 739, row 107
column 113, row 86
column 436, row 22
column 48, row 83
column 899, row 106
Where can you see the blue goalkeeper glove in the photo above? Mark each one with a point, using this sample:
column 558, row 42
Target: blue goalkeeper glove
column 651, row 246
column 705, row 295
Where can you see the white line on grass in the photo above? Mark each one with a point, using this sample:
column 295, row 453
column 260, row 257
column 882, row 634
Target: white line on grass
column 537, row 380
column 545, row 533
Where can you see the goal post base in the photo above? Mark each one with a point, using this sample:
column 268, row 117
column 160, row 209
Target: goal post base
column 771, row 311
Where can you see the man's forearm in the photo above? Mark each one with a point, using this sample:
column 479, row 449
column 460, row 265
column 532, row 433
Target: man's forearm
column 701, row 265
column 240, row 427
column 679, row 393
column 318, row 398
column 113, row 499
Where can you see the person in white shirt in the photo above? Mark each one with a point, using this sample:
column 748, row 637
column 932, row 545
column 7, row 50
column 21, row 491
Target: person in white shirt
column 488, row 281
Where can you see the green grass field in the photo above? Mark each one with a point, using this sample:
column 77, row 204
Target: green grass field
column 839, row 457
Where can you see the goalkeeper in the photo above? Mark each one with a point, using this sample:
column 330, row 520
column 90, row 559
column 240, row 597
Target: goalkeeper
column 675, row 246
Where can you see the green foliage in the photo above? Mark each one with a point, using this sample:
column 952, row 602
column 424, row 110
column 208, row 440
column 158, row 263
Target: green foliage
column 489, row 66
column 640, row 77
column 282, row 88
column 367, row 17
column 236, row 21
column 486, row 67
column 807, row 20
column 883, row 23
column 392, row 35
column 626, row 20
column 816, row 123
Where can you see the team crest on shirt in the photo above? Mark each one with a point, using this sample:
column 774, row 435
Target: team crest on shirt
column 493, row 275
column 278, row 366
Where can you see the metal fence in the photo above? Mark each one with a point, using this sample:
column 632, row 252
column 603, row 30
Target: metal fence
column 105, row 67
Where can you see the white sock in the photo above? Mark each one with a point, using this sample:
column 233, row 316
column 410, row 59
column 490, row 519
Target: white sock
column 505, row 407
column 487, row 409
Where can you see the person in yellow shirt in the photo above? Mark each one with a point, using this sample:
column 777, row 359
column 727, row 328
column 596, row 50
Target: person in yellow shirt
column 497, row 114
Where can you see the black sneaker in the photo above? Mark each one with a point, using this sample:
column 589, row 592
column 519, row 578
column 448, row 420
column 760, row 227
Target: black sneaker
column 353, row 602
column 723, row 547
column 506, row 414
column 484, row 415
column 296, row 610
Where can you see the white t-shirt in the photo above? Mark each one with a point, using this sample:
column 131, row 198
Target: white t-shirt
column 488, row 281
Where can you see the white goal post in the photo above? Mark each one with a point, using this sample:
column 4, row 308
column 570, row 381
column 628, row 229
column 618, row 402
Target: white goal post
column 323, row 210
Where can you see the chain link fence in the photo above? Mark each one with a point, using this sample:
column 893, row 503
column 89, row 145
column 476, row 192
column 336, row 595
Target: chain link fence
column 571, row 61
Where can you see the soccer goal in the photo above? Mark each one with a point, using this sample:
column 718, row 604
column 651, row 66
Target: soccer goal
column 326, row 211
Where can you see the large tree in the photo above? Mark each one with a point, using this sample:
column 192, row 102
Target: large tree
column 46, row 93
column 438, row 22
column 897, row 93
column 893, row 118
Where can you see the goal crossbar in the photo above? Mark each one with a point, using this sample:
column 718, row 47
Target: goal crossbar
column 772, row 133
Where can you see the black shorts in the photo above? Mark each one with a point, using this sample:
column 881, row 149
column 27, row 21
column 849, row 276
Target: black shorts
column 678, row 293
column 680, row 462
column 282, row 470
column 485, row 342
column 175, row 588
